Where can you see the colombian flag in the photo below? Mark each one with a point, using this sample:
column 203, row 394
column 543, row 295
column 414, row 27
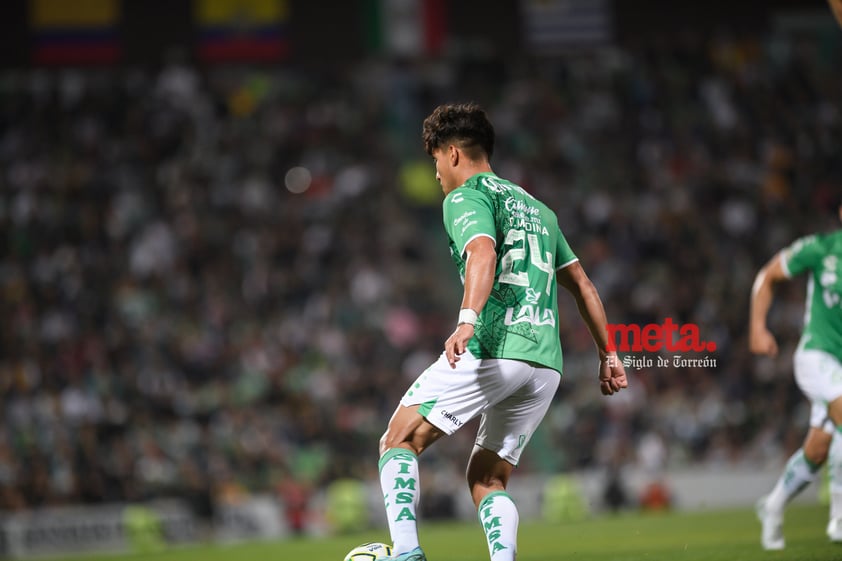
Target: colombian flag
column 77, row 32
column 241, row 30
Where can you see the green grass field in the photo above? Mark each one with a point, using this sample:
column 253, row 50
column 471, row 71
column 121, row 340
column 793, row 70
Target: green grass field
column 731, row 535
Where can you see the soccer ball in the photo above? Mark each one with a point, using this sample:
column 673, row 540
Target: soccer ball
column 369, row 552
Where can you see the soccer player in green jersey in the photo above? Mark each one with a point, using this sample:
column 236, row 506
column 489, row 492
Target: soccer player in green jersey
column 503, row 361
column 818, row 370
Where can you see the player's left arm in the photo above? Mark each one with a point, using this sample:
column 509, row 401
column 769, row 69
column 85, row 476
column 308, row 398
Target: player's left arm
column 480, row 266
column 836, row 8
column 612, row 374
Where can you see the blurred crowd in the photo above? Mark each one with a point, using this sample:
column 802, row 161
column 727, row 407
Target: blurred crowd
column 219, row 282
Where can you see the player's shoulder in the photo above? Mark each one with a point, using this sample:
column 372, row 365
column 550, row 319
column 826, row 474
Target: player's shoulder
column 834, row 237
column 496, row 187
column 481, row 183
column 489, row 182
column 824, row 241
column 464, row 194
column 816, row 245
column 804, row 242
column 491, row 189
column 832, row 242
column 475, row 188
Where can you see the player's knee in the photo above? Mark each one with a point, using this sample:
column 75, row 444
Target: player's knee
column 391, row 440
column 386, row 442
column 817, row 447
column 816, row 455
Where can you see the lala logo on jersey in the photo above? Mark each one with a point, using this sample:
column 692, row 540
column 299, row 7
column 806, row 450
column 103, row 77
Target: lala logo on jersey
column 530, row 313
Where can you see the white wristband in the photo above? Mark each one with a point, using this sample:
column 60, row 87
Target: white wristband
column 467, row 315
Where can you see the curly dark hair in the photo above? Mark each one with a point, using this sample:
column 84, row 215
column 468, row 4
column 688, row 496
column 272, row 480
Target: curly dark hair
column 464, row 124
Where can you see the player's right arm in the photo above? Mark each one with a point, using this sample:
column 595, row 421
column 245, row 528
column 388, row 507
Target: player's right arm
column 836, row 8
column 760, row 339
column 480, row 265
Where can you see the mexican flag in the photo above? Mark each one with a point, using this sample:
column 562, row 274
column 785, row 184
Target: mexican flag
column 405, row 27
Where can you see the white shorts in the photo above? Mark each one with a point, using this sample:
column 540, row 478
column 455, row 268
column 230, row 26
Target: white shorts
column 512, row 396
column 819, row 375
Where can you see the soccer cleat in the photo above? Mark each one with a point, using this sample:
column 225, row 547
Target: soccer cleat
column 834, row 529
column 414, row 555
column 772, row 534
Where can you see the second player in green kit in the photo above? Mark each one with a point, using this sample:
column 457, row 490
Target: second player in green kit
column 818, row 371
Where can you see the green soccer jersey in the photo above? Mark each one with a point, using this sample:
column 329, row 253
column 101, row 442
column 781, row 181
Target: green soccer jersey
column 821, row 255
column 520, row 319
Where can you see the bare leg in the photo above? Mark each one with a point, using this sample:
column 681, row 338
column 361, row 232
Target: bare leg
column 487, row 472
column 408, row 429
column 817, row 445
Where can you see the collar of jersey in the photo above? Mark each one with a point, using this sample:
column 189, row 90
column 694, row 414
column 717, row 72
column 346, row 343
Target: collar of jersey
column 480, row 174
